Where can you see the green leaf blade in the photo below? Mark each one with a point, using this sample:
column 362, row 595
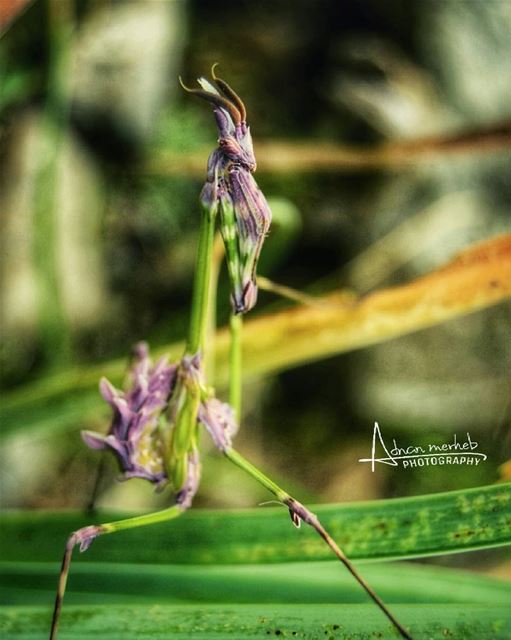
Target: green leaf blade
column 225, row 622
column 384, row 529
column 323, row 582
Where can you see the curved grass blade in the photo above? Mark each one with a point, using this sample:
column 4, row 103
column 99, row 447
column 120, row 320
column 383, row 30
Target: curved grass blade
column 225, row 622
column 477, row 278
column 383, row 529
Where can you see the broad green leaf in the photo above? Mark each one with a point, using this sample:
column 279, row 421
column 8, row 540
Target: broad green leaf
column 331, row 622
column 383, row 529
column 477, row 278
column 307, row 582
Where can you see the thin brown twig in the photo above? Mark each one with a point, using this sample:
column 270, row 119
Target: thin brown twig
column 283, row 156
column 289, row 293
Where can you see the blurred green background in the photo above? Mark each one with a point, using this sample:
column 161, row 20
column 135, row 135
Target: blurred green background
column 99, row 189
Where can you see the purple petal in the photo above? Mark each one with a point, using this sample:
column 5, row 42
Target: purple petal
column 94, row 440
column 133, row 434
column 218, row 418
column 140, row 351
column 121, row 448
column 108, row 391
column 124, row 411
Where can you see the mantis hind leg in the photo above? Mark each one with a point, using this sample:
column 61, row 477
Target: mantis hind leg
column 86, row 535
column 299, row 513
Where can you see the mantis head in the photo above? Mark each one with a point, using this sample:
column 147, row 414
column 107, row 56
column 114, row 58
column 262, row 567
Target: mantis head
column 234, row 140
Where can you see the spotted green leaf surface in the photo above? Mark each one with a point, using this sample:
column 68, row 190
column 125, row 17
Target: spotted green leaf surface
column 331, row 622
column 383, row 529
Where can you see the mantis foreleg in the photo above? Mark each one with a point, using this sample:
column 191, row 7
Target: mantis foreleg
column 235, row 364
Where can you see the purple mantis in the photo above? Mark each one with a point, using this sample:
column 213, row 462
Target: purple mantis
column 156, row 423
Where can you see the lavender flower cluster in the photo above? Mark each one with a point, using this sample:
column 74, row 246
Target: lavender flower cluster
column 141, row 423
column 134, row 434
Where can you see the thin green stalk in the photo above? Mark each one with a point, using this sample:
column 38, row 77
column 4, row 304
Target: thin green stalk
column 235, row 364
column 199, row 319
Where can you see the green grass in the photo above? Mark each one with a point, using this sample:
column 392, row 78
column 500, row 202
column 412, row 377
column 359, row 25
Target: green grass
column 329, row 622
column 251, row 574
column 384, row 529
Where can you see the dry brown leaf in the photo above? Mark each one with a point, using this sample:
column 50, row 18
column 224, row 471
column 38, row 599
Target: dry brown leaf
column 478, row 277
column 282, row 156
column 10, row 10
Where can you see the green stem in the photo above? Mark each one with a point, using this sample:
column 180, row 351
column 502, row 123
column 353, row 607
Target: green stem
column 199, row 319
column 235, row 364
